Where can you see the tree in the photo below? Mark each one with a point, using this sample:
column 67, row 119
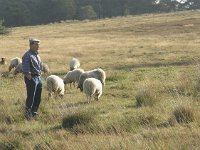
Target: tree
column 56, row 10
column 3, row 29
column 14, row 13
column 87, row 12
column 191, row 4
column 142, row 6
column 167, row 5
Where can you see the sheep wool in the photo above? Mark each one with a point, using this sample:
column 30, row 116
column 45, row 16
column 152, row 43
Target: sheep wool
column 55, row 85
column 45, row 68
column 18, row 69
column 96, row 73
column 74, row 64
column 14, row 62
column 73, row 76
column 92, row 88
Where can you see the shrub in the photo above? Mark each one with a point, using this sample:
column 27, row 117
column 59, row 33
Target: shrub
column 145, row 97
column 147, row 120
column 184, row 115
column 78, row 119
column 13, row 145
column 3, row 29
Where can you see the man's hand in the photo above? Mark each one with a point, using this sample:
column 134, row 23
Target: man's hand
column 29, row 76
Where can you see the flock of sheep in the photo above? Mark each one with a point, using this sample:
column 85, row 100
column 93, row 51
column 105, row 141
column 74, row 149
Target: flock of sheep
column 16, row 64
column 90, row 82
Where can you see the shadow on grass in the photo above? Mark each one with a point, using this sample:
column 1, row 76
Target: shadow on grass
column 156, row 65
column 76, row 104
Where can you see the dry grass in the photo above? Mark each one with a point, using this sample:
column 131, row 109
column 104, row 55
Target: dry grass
column 154, row 57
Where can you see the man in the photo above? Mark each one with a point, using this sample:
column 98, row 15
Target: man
column 32, row 66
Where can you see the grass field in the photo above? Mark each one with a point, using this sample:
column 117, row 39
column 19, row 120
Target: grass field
column 151, row 98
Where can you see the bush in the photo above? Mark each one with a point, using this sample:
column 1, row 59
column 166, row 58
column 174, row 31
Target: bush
column 184, row 115
column 78, row 119
column 81, row 123
column 12, row 145
column 3, row 29
column 145, row 97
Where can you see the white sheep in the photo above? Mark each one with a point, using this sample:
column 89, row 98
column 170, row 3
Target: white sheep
column 73, row 76
column 96, row 73
column 55, row 85
column 18, row 69
column 14, row 62
column 74, row 64
column 92, row 87
column 45, row 68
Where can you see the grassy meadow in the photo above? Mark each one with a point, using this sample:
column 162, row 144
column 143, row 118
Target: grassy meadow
column 151, row 99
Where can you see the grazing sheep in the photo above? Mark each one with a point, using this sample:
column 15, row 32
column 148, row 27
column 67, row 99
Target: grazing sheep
column 96, row 73
column 45, row 68
column 74, row 64
column 3, row 61
column 18, row 69
column 14, row 63
column 92, row 86
column 73, row 76
column 55, row 85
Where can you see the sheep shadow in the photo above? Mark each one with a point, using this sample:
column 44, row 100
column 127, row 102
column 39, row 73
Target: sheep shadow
column 76, row 104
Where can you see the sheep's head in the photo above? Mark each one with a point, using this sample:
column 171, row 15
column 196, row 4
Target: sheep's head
column 61, row 92
column 61, row 96
column 80, row 87
column 10, row 68
column 16, row 71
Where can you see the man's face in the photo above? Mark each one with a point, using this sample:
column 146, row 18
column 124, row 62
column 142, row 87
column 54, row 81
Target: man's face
column 35, row 46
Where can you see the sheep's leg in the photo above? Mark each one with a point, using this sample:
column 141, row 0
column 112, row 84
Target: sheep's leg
column 49, row 96
column 74, row 84
column 56, row 95
column 89, row 99
column 96, row 95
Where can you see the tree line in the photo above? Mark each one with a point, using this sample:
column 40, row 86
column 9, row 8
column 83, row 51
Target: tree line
column 34, row 12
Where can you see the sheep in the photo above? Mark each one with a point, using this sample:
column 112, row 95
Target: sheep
column 18, row 69
column 55, row 85
column 73, row 76
column 96, row 73
column 74, row 64
column 92, row 87
column 45, row 68
column 14, row 63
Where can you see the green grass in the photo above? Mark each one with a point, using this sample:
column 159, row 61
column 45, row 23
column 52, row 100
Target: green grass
column 151, row 97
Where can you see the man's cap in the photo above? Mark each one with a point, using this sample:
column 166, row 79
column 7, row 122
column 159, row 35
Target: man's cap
column 34, row 41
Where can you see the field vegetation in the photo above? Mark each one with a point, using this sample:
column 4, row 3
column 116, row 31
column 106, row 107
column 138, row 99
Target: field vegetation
column 151, row 98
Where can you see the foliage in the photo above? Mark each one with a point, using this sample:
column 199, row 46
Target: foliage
column 184, row 114
column 145, row 97
column 32, row 12
column 87, row 12
column 3, row 29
